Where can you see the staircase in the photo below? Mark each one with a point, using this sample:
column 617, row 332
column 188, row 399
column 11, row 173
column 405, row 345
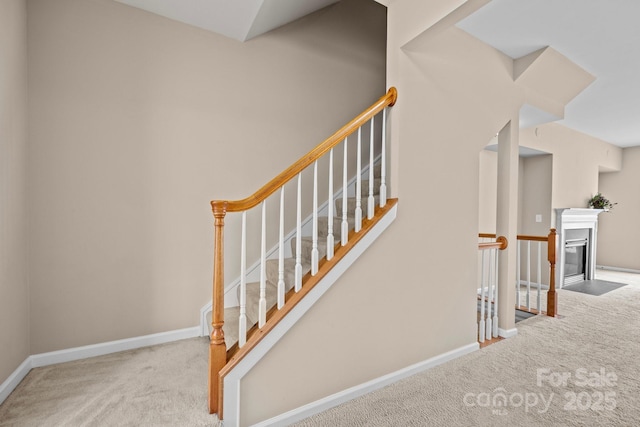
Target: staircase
column 232, row 314
column 288, row 286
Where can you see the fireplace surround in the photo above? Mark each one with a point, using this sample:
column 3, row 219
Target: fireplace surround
column 577, row 237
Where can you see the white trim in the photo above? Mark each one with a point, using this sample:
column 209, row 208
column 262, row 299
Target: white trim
column 624, row 270
column 14, row 379
column 507, row 333
column 364, row 388
column 77, row 353
column 84, row 352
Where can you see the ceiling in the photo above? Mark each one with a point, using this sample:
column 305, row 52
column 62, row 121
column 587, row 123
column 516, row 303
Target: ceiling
column 600, row 36
column 237, row 19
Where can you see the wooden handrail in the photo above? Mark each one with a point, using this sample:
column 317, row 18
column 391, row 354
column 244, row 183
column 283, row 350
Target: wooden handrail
column 532, row 238
column 501, row 243
column 389, row 99
column 552, row 295
column 519, row 237
column 487, row 235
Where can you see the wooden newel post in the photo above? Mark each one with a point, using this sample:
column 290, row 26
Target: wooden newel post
column 217, row 346
column 552, row 300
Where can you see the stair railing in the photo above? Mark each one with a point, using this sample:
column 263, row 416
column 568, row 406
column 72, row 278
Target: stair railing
column 488, row 296
column 529, row 261
column 218, row 355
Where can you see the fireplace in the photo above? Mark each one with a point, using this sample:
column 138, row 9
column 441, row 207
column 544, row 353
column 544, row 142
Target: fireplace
column 577, row 232
column 576, row 251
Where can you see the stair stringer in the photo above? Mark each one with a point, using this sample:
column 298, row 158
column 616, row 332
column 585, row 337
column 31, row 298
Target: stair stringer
column 232, row 380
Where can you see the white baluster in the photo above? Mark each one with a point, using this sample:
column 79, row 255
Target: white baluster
column 281, row 253
column 489, row 328
column 529, row 275
column 481, row 323
column 372, row 201
column 358, row 212
column 497, row 291
column 539, row 308
column 383, row 161
column 518, row 302
column 344, row 232
column 298, row 278
column 262, row 302
column 242, row 325
column 330, row 238
column 314, row 247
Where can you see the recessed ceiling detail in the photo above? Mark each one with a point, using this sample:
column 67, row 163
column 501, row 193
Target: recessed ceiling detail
column 599, row 36
column 237, row 19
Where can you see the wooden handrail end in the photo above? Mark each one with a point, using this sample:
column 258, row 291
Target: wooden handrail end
column 393, row 96
column 504, row 241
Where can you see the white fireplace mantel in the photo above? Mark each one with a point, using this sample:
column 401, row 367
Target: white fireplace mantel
column 576, row 218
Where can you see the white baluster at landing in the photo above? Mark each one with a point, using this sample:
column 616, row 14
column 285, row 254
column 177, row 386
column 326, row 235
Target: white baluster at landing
column 330, row 238
column 242, row 321
column 314, row 250
column 344, row 232
column 281, row 253
column 262, row 303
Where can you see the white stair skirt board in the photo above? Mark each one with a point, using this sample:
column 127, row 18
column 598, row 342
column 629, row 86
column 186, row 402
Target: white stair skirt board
column 359, row 390
column 232, row 380
column 84, row 352
column 230, row 298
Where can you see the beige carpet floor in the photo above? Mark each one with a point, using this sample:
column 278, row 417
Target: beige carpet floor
column 166, row 385
column 163, row 385
column 595, row 346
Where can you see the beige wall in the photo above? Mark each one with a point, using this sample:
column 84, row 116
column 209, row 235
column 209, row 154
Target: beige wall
column 138, row 121
column 488, row 191
column 14, row 291
column 536, row 192
column 536, row 195
column 407, row 299
column 618, row 230
column 577, row 161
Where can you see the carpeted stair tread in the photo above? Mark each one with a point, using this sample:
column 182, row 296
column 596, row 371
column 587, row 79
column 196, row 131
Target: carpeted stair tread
column 306, row 244
column 289, row 271
column 253, row 297
column 351, row 205
column 323, row 225
column 376, row 186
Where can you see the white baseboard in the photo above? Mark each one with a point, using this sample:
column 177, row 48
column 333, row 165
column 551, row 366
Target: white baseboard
column 14, row 379
column 623, row 270
column 84, row 352
column 359, row 390
column 507, row 333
